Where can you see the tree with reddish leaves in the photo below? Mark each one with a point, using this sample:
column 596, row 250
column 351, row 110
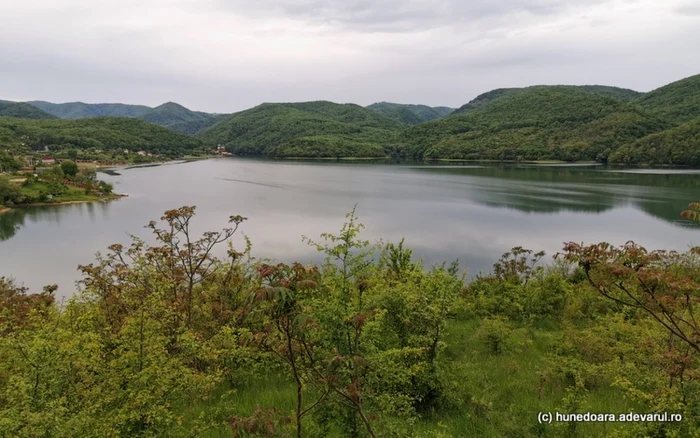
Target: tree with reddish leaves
column 665, row 285
column 693, row 212
column 285, row 326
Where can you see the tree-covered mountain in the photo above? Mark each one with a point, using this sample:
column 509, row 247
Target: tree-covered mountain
column 309, row 129
column 679, row 146
column 678, row 101
column 167, row 114
column 619, row 94
column 194, row 126
column 410, row 114
column 22, row 110
column 80, row 110
column 535, row 123
column 171, row 113
column 104, row 133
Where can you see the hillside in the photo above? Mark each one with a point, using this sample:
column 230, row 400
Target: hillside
column 22, row 110
column 103, row 133
column 171, row 113
column 678, row 101
column 194, row 126
column 619, row 94
column 535, row 123
column 309, row 129
column 679, row 146
column 80, row 110
column 410, row 114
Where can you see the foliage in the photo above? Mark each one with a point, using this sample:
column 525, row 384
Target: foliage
column 8, row 163
column 303, row 129
column 537, row 123
column 171, row 113
column 22, row 110
column 409, row 114
column 678, row 146
column 619, row 94
column 104, row 133
column 69, row 168
column 80, row 110
column 167, row 339
column 693, row 212
column 678, row 101
column 195, row 126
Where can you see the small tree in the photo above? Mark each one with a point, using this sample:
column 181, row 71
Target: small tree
column 693, row 212
column 69, row 168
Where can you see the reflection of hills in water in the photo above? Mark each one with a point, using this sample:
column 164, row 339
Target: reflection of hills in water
column 553, row 189
column 12, row 221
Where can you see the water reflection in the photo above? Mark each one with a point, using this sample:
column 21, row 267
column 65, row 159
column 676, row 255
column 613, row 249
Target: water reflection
column 12, row 221
column 550, row 189
column 471, row 213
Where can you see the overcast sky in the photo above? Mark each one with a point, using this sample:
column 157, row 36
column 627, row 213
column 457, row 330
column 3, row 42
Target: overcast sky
column 228, row 55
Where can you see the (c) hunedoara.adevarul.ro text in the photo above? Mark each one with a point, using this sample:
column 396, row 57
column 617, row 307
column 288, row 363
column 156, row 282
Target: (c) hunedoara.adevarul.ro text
column 590, row 417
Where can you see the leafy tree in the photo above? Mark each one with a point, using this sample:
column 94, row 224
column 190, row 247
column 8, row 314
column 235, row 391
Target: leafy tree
column 69, row 168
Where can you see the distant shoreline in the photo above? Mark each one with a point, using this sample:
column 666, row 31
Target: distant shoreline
column 51, row 204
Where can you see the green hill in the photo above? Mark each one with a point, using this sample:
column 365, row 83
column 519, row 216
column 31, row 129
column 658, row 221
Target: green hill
column 535, row 123
column 679, row 146
column 104, row 133
column 171, row 113
column 194, row 126
column 619, row 94
column 80, row 110
column 309, row 129
column 678, row 101
column 22, row 110
column 410, row 114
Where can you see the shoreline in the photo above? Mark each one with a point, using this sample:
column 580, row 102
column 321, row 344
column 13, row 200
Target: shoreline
column 51, row 204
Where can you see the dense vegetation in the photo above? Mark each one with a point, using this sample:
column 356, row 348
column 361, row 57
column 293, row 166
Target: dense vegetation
column 195, row 126
column 62, row 183
column 102, row 133
column 22, row 111
column 410, row 114
column 678, row 101
column 168, row 114
column 167, row 340
column 537, row 123
column 80, row 110
column 563, row 122
column 172, row 113
column 619, row 94
column 311, row 129
column 679, row 146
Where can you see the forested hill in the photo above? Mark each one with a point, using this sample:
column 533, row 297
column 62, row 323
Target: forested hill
column 678, row 101
column 171, row 113
column 535, row 123
column 192, row 127
column 167, row 114
column 410, row 114
column 105, row 133
column 619, row 94
column 676, row 146
column 309, row 129
column 80, row 110
column 22, row 111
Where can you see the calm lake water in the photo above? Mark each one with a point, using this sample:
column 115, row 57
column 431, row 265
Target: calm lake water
column 469, row 213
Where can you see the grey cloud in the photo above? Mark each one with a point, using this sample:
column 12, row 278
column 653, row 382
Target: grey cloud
column 223, row 56
column 398, row 15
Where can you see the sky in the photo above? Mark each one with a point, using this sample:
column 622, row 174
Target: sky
column 229, row 55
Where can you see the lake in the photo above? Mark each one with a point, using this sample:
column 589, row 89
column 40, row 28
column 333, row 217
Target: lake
column 445, row 212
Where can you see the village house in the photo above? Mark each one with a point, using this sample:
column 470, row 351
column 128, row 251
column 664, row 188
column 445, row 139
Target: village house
column 49, row 161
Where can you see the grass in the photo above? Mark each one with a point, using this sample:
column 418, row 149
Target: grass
column 492, row 395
